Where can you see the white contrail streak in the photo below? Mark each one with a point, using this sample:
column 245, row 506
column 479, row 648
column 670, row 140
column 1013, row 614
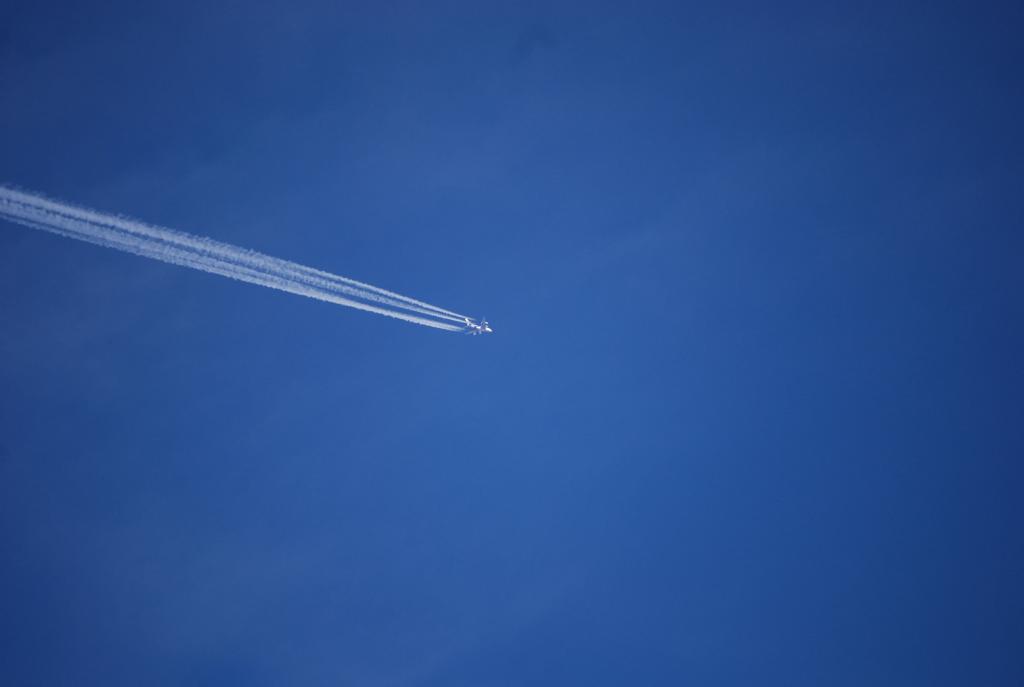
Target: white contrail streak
column 37, row 204
column 207, row 255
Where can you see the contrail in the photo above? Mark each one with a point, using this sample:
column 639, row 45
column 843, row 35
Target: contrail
column 208, row 255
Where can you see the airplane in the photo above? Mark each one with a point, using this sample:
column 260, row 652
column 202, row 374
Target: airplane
column 475, row 329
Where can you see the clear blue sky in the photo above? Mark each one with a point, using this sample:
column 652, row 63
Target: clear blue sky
column 752, row 414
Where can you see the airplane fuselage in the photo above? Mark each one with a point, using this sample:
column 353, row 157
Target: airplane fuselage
column 476, row 329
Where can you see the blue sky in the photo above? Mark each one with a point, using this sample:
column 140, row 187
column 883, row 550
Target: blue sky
column 751, row 413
